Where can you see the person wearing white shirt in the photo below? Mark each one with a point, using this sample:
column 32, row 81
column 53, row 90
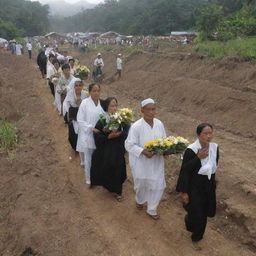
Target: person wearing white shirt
column 71, row 63
column 119, row 63
column 98, row 62
column 54, row 74
column 147, row 168
column 87, row 117
column 49, row 65
column 29, row 47
column 48, row 50
column 18, row 49
column 98, row 65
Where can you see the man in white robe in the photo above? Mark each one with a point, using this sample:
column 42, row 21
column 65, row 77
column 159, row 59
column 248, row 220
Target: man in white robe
column 147, row 169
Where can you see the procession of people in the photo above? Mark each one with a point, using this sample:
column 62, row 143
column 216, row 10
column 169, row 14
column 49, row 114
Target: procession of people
column 102, row 146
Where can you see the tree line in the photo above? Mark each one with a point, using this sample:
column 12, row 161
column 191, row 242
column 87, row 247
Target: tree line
column 215, row 19
column 160, row 17
column 224, row 19
column 23, row 18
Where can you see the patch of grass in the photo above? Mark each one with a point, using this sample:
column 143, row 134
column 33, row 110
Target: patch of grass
column 243, row 48
column 166, row 44
column 130, row 50
column 11, row 155
column 8, row 136
column 105, row 48
column 124, row 49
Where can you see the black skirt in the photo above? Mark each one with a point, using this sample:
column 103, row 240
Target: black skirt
column 72, row 136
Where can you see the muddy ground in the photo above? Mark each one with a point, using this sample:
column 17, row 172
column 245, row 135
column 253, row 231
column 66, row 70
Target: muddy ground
column 44, row 203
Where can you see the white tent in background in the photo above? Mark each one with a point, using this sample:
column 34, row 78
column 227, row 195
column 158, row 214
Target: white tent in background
column 55, row 35
column 183, row 33
column 2, row 40
column 110, row 34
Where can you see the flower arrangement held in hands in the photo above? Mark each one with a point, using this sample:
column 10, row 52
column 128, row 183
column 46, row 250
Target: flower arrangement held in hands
column 122, row 117
column 167, row 146
column 82, row 71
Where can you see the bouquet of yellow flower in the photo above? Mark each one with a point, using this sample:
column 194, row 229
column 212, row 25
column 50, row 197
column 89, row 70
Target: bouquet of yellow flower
column 82, row 71
column 122, row 117
column 167, row 146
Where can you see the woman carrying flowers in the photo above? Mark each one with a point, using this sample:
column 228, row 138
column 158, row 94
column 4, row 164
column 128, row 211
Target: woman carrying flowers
column 108, row 163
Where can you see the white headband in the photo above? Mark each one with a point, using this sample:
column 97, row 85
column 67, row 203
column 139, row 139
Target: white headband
column 146, row 102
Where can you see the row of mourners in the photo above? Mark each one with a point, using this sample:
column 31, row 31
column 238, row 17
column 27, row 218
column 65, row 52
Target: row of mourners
column 102, row 149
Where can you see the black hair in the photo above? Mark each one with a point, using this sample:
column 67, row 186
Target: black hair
column 107, row 102
column 65, row 66
column 71, row 60
column 51, row 56
column 80, row 81
column 201, row 126
column 55, row 61
column 92, row 85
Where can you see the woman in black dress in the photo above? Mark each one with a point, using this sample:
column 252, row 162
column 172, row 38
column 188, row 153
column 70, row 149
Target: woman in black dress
column 197, row 182
column 108, row 163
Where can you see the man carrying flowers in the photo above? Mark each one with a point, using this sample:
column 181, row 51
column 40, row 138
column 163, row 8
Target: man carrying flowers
column 147, row 168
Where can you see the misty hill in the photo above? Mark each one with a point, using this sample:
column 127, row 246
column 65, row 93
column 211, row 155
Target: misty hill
column 64, row 9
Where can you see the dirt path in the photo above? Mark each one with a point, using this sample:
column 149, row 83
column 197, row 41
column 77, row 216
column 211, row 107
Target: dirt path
column 47, row 207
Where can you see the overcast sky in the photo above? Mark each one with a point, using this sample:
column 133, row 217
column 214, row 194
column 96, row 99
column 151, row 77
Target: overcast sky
column 91, row 1
column 73, row 1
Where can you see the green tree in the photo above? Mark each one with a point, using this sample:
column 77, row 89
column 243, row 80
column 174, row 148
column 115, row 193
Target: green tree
column 9, row 31
column 207, row 19
column 31, row 17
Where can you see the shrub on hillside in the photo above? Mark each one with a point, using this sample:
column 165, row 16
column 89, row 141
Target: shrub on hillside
column 236, row 25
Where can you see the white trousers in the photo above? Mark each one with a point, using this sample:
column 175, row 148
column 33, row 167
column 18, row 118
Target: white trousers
column 57, row 101
column 81, row 154
column 87, row 164
column 149, row 196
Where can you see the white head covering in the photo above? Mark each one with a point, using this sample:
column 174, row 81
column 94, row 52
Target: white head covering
column 146, row 102
column 99, row 54
column 71, row 95
column 119, row 54
column 71, row 85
